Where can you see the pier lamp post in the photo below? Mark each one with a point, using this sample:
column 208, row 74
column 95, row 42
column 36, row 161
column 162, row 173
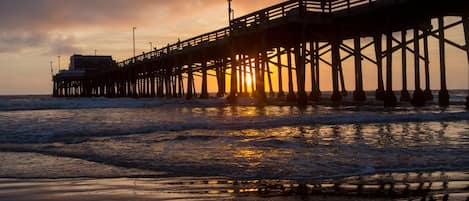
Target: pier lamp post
column 229, row 12
column 51, row 68
column 151, row 46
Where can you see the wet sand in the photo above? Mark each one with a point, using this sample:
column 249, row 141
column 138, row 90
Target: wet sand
column 81, row 183
column 168, row 189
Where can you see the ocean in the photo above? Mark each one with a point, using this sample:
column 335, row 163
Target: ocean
column 174, row 149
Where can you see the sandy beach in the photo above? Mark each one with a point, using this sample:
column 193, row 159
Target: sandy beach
column 90, row 181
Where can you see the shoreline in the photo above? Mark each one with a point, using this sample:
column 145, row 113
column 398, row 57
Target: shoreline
column 124, row 186
column 402, row 186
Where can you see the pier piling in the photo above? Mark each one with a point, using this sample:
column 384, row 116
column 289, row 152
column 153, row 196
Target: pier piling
column 419, row 97
column 204, row 93
column 405, row 96
column 291, row 97
column 281, row 94
column 359, row 94
column 336, row 95
column 428, row 92
column 465, row 20
column 443, row 95
column 380, row 93
column 390, row 98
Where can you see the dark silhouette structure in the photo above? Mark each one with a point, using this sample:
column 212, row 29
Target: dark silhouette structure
column 306, row 32
column 92, row 63
column 82, row 68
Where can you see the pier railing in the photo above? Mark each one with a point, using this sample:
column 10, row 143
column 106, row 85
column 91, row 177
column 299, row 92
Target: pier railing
column 264, row 16
column 295, row 7
column 180, row 45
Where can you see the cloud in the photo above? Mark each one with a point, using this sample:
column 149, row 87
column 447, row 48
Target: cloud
column 63, row 45
column 59, row 25
column 62, row 14
column 17, row 42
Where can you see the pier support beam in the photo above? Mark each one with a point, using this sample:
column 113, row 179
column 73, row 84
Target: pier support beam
column 379, row 60
column 359, row 94
column 240, row 75
column 175, row 85
column 443, row 95
column 342, row 80
column 149, row 86
column 54, row 88
column 168, row 83
column 405, row 96
column 128, row 83
column 260, row 78
column 389, row 99
column 428, row 91
column 220, row 72
column 291, row 97
column 153, row 92
column 314, row 92
column 419, row 97
column 204, row 93
column 336, row 95
column 159, row 85
column 223, row 77
column 300, row 60
column 317, row 58
column 253, row 76
column 180, row 82
column 134, row 83
column 232, row 98
column 466, row 34
column 269, row 77
column 281, row 94
column 245, row 82
column 190, row 83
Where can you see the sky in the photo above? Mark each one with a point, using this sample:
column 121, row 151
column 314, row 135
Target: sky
column 35, row 32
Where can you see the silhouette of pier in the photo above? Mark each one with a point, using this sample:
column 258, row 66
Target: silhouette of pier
column 307, row 33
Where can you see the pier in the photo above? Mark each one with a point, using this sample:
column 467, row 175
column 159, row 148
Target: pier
column 296, row 36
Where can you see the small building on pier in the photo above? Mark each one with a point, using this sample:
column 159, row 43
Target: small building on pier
column 88, row 65
column 91, row 63
column 72, row 82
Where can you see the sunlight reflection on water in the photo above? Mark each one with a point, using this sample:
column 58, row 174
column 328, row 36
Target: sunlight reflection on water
column 292, row 152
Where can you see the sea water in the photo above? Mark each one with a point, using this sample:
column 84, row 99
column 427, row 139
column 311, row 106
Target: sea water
column 153, row 149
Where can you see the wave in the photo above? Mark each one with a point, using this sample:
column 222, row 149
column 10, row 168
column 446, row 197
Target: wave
column 20, row 103
column 28, row 130
column 306, row 165
column 43, row 102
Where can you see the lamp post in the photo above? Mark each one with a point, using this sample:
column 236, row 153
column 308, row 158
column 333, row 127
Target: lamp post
column 151, row 46
column 133, row 32
column 51, row 68
column 229, row 12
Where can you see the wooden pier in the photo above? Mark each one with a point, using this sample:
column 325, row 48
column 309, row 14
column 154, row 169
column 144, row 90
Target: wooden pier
column 309, row 34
